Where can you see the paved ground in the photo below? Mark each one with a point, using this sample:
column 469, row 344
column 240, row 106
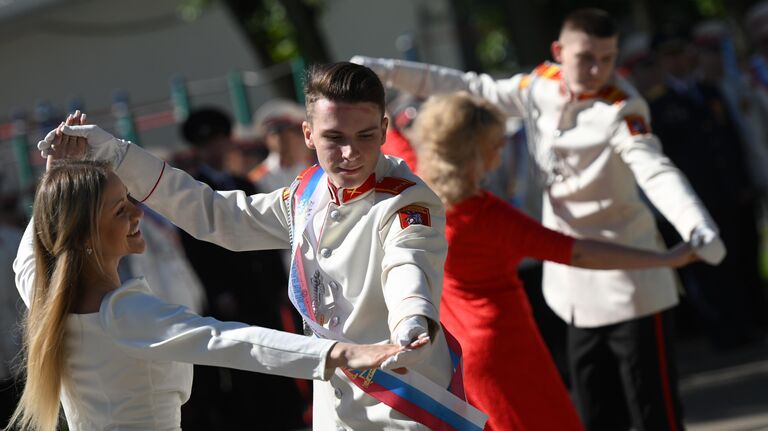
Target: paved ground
column 724, row 391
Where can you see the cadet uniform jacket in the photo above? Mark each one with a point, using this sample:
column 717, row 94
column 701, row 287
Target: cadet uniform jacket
column 369, row 262
column 594, row 149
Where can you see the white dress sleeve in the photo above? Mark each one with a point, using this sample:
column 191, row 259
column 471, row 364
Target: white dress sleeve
column 24, row 265
column 145, row 327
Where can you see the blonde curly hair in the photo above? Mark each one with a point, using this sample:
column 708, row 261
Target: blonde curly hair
column 455, row 135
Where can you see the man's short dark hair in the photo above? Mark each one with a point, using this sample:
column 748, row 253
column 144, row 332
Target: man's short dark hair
column 205, row 124
column 342, row 82
column 592, row 21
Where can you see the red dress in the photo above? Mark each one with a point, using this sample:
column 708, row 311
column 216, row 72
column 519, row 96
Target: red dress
column 508, row 371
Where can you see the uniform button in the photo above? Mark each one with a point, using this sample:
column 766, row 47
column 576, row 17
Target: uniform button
column 558, row 133
column 325, row 252
column 341, row 429
column 334, row 321
column 337, row 393
column 333, row 285
column 335, row 215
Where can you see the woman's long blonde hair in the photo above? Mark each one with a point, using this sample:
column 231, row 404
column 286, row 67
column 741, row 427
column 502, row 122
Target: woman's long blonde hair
column 453, row 133
column 66, row 211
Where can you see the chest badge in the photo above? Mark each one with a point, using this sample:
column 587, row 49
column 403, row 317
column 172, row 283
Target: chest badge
column 414, row 214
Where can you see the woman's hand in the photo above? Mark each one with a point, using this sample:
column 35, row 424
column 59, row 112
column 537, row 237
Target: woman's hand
column 65, row 147
column 682, row 254
column 365, row 356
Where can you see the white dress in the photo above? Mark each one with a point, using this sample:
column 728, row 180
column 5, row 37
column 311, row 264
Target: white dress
column 123, row 364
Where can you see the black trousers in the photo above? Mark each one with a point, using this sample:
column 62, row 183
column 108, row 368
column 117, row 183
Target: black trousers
column 623, row 376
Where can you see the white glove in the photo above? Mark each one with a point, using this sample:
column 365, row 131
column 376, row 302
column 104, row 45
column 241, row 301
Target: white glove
column 407, row 331
column 708, row 245
column 101, row 144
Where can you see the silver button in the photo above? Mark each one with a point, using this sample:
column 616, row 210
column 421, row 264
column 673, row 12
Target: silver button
column 558, row 133
column 337, row 393
column 333, row 285
column 325, row 252
column 335, row 215
column 334, row 321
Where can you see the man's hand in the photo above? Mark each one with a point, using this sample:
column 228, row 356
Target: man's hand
column 413, row 329
column 64, row 147
column 365, row 356
column 708, row 244
column 101, row 144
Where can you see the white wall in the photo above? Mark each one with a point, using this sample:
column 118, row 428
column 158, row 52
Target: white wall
column 89, row 49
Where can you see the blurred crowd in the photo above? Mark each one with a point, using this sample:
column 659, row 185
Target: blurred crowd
column 708, row 95
column 707, row 89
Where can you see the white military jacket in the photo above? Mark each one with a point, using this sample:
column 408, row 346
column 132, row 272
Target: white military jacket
column 370, row 268
column 594, row 150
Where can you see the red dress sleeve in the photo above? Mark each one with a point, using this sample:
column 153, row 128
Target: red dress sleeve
column 528, row 238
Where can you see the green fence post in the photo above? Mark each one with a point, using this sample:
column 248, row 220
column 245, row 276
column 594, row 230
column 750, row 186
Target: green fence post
column 124, row 124
column 21, row 152
column 239, row 98
column 179, row 98
column 297, row 70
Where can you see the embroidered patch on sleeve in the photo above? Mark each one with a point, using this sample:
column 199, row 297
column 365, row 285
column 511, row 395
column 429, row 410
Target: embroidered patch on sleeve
column 414, row 214
column 637, row 125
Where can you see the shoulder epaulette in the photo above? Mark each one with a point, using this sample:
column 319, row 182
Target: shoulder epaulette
column 393, row 185
column 612, row 94
column 524, row 81
column 548, row 70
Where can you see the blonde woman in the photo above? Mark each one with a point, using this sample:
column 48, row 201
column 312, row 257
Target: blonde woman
column 508, row 371
column 116, row 356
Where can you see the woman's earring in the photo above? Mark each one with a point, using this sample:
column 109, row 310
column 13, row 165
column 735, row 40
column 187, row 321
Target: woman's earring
column 88, row 251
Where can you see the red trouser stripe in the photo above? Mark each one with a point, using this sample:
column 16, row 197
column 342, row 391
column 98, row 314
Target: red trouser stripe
column 664, row 372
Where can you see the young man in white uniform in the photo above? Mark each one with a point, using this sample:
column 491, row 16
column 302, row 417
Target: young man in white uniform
column 371, row 256
column 590, row 136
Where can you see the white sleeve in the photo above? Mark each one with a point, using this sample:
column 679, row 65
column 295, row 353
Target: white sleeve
column 414, row 255
column 663, row 183
column 146, row 327
column 24, row 265
column 232, row 219
column 423, row 80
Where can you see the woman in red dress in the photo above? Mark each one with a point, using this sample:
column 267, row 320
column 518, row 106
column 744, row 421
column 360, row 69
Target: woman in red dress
column 509, row 373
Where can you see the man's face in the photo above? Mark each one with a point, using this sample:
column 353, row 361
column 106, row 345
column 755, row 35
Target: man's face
column 587, row 61
column 347, row 138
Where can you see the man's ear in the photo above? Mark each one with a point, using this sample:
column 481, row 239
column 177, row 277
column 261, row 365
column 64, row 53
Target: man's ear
column 306, row 130
column 384, row 126
column 557, row 51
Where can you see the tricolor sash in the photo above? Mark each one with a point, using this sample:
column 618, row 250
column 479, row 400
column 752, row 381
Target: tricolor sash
column 411, row 394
